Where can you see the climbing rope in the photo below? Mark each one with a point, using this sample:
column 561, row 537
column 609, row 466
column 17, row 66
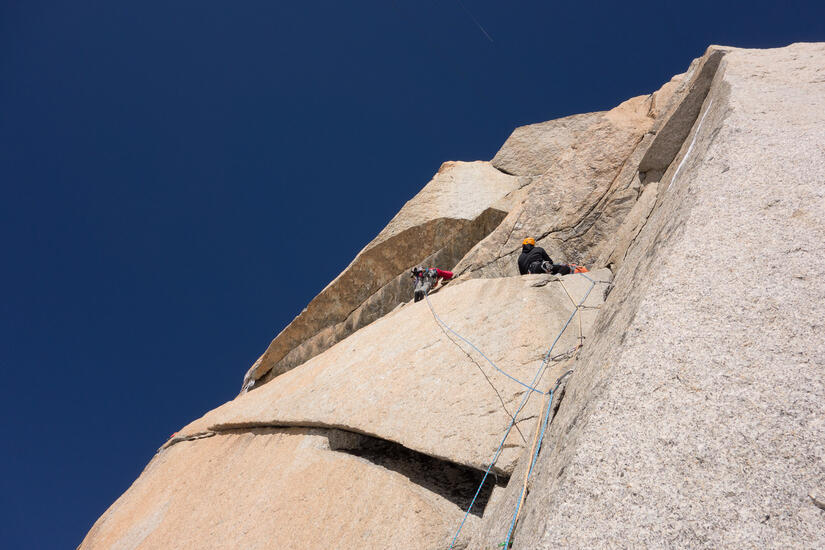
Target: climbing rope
column 446, row 326
column 536, row 377
column 495, row 458
column 484, row 374
column 535, row 454
column 578, row 309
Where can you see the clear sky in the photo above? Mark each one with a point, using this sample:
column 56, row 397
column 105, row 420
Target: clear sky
column 180, row 178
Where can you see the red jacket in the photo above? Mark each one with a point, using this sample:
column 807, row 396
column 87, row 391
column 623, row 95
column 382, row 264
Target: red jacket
column 446, row 275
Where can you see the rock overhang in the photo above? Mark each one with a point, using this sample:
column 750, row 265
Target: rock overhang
column 246, row 489
column 407, row 380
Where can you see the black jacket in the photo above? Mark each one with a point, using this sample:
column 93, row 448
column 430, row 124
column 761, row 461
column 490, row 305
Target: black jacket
column 529, row 255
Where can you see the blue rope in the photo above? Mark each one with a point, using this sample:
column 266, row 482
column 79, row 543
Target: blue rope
column 535, row 456
column 523, row 401
column 445, row 325
column 495, row 458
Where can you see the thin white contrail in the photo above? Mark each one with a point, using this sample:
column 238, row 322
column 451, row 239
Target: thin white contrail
column 490, row 38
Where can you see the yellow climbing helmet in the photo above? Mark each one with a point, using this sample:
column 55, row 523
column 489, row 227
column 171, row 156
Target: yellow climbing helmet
column 529, row 240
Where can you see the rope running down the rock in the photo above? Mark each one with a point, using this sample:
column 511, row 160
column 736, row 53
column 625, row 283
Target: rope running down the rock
column 446, row 326
column 535, row 454
column 543, row 421
column 531, row 387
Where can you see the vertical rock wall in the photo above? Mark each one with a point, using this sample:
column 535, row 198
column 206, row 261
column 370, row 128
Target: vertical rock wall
column 694, row 418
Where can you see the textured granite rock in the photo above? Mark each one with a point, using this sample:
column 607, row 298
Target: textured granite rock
column 565, row 208
column 463, row 203
column 404, row 379
column 268, row 488
column 584, row 205
column 531, row 150
column 695, row 417
column 675, row 124
column 500, row 511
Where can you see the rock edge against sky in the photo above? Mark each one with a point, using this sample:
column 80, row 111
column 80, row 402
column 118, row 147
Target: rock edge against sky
column 693, row 417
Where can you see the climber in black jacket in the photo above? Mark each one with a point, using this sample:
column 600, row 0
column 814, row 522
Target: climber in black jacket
column 534, row 259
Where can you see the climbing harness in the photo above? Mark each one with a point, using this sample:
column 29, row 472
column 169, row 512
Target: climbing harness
column 424, row 280
column 527, row 395
column 554, row 269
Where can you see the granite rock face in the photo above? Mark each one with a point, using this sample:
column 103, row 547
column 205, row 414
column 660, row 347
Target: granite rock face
column 382, row 381
column 531, row 150
column 463, row 202
column 695, row 417
column 585, row 202
column 557, row 207
column 372, row 420
column 692, row 417
column 277, row 487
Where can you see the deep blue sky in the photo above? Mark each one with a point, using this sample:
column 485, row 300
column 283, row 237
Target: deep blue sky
column 180, row 178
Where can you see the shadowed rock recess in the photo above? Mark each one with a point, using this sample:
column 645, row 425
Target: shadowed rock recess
column 693, row 416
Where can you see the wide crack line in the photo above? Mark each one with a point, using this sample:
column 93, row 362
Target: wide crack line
column 450, row 480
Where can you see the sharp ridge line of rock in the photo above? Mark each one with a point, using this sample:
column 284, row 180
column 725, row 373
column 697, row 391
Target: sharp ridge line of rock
column 265, row 375
column 690, row 148
column 385, row 285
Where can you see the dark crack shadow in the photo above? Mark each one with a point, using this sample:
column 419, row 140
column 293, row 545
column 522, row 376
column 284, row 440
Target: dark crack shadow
column 455, row 483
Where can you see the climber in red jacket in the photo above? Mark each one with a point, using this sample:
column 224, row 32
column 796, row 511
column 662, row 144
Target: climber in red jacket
column 425, row 280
